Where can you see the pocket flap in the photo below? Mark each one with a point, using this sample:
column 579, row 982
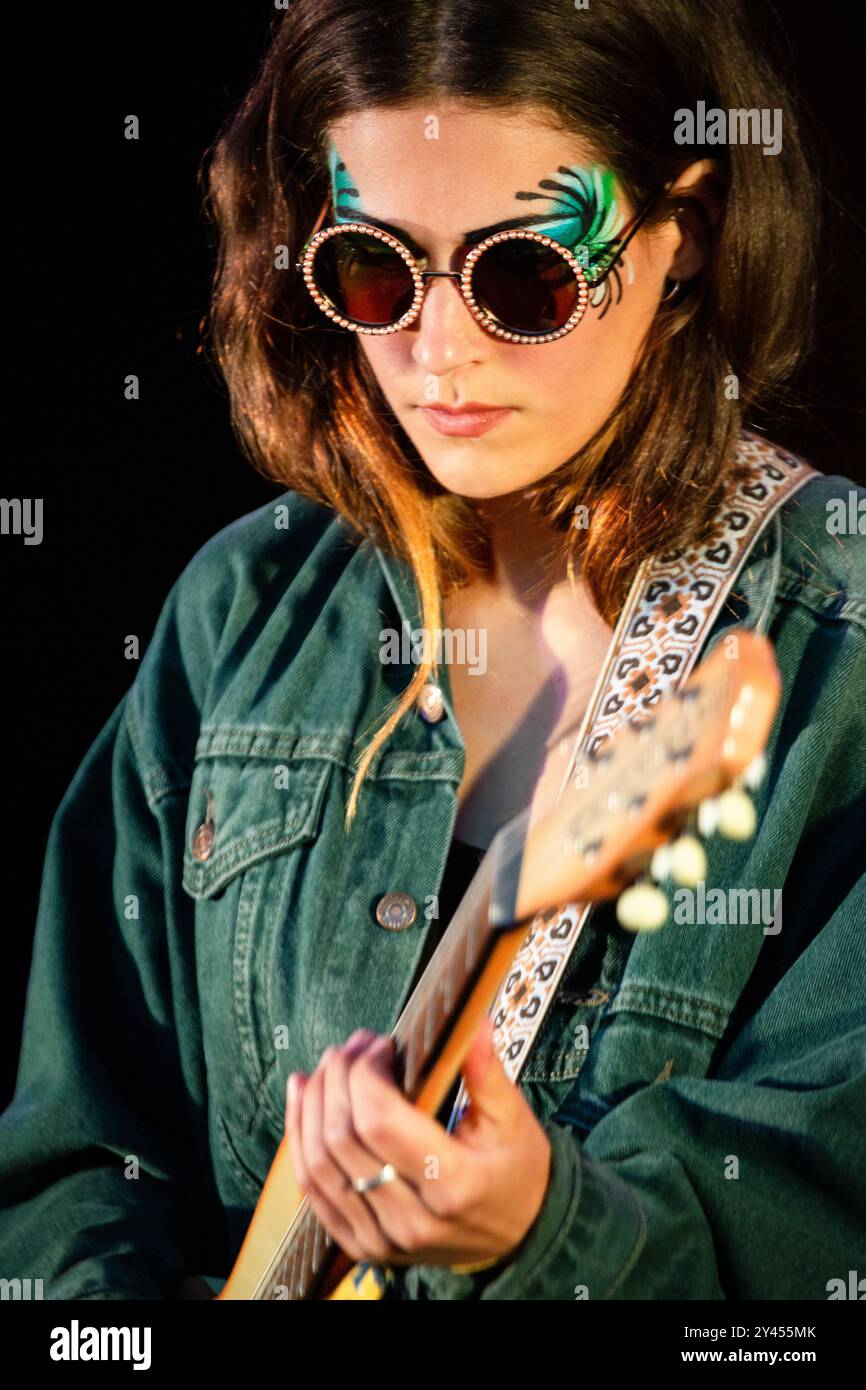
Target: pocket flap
column 258, row 807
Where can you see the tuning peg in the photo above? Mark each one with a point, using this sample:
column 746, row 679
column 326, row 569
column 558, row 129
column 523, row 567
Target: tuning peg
column 642, row 907
column 688, row 861
column 754, row 773
column 660, row 864
column 708, row 816
column 737, row 817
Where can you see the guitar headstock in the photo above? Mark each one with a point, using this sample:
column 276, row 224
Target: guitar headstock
column 636, row 794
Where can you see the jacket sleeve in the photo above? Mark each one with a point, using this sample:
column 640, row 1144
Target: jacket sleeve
column 105, row 1184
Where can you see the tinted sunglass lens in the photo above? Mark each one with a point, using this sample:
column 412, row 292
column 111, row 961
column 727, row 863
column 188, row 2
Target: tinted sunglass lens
column 363, row 279
column 524, row 286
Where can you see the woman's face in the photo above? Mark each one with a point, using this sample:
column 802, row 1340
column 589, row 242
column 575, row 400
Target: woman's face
column 481, row 168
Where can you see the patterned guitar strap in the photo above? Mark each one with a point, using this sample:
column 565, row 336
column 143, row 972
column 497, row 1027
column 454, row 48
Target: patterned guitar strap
column 672, row 605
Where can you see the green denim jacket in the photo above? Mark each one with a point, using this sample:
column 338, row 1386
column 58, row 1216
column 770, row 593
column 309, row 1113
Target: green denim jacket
column 706, row 1127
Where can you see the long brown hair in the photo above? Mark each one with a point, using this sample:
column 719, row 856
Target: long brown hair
column 305, row 405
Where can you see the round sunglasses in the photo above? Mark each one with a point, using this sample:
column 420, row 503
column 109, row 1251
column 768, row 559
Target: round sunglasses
column 520, row 285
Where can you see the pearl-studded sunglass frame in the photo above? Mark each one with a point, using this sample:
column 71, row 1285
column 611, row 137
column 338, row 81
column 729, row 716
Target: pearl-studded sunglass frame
column 556, row 285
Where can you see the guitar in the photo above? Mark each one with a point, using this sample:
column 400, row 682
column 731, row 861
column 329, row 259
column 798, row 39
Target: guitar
column 644, row 784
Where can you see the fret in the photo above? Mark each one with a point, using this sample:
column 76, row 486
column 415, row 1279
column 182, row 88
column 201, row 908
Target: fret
column 314, row 1247
column 470, row 942
column 448, row 982
column 309, row 1242
column 305, row 1259
column 296, row 1283
column 279, row 1276
column 319, row 1247
column 295, row 1286
column 409, row 1061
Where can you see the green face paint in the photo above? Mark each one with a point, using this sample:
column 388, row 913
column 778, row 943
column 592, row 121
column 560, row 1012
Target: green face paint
column 584, row 214
column 343, row 191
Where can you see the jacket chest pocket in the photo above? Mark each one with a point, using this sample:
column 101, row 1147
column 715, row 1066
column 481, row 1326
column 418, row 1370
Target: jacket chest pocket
column 251, row 831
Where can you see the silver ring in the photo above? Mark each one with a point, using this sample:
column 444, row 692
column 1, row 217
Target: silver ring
column 386, row 1174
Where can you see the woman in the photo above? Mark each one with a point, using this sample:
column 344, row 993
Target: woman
column 262, row 848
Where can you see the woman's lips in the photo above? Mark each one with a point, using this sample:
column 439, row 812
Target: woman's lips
column 464, row 422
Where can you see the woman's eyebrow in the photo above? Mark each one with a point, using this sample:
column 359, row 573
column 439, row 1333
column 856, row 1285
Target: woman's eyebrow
column 469, row 238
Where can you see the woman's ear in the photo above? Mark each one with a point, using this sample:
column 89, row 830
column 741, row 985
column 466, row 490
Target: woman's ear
column 700, row 190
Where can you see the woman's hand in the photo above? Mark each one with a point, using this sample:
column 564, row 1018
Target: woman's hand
column 459, row 1198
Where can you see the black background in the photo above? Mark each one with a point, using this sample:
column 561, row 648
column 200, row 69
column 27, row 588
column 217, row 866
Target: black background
column 111, row 261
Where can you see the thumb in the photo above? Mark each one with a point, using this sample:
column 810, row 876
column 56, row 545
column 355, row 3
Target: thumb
column 486, row 1080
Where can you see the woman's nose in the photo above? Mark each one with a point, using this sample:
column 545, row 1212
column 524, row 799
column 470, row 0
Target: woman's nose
column 446, row 334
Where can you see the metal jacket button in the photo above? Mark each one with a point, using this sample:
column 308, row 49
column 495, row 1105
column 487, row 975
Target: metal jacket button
column 431, row 704
column 202, row 840
column 396, row 911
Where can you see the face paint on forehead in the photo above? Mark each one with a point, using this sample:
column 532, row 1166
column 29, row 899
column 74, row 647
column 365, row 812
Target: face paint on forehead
column 345, row 195
column 582, row 213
